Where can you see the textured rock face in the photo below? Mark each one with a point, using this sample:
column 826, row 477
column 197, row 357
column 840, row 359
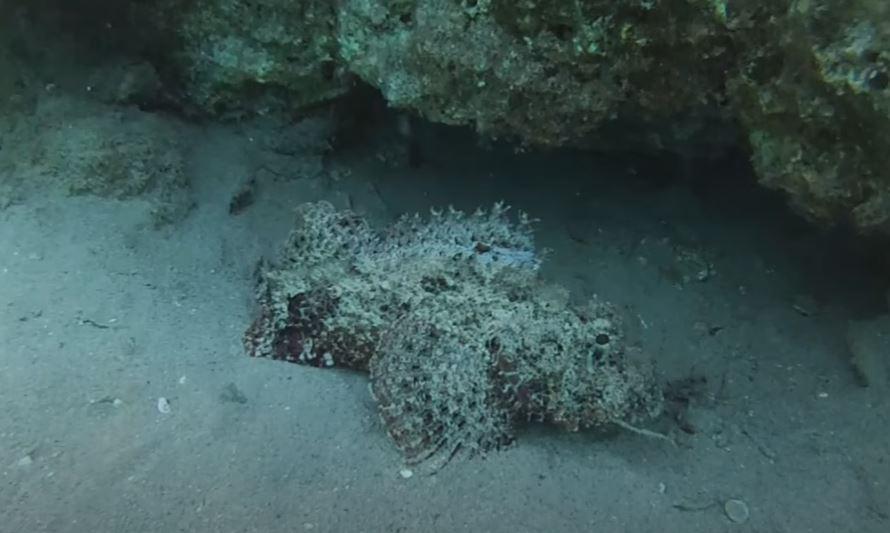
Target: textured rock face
column 267, row 55
column 804, row 83
column 547, row 72
column 812, row 93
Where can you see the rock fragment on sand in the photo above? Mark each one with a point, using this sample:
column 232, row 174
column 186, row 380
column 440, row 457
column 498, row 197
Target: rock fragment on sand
column 163, row 406
column 736, row 510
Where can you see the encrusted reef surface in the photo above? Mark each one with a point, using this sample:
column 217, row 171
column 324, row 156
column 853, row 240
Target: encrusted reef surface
column 811, row 91
column 803, row 83
column 461, row 338
column 238, row 58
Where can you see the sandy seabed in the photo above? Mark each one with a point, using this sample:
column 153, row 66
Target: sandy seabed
column 102, row 314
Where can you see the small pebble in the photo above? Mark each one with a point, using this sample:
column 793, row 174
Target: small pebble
column 406, row 473
column 736, row 511
column 163, row 405
column 25, row 461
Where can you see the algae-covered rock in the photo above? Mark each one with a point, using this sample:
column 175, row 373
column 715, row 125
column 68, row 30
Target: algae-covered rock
column 255, row 57
column 462, row 339
column 806, row 82
column 803, row 85
column 548, row 73
column 811, row 91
